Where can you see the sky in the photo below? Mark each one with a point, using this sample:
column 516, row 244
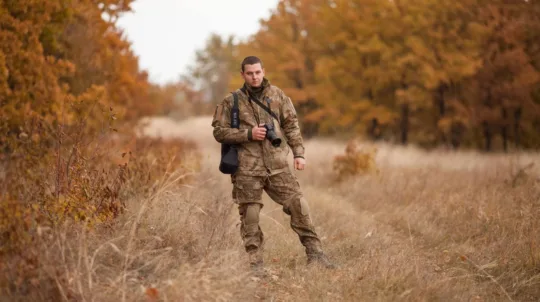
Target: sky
column 166, row 33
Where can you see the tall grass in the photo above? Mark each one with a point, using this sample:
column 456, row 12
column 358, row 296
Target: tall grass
column 436, row 226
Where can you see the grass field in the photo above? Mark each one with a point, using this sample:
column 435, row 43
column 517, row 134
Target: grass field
column 434, row 226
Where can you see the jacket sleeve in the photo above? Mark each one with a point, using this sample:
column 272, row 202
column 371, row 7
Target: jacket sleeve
column 290, row 127
column 223, row 133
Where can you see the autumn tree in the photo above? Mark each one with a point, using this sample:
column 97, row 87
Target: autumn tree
column 213, row 67
column 506, row 82
column 455, row 73
column 447, row 46
column 90, row 40
column 352, row 96
column 65, row 73
column 288, row 47
column 29, row 84
column 64, row 49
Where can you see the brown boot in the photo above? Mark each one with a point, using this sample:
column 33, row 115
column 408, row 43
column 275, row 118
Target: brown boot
column 315, row 254
column 256, row 264
column 321, row 259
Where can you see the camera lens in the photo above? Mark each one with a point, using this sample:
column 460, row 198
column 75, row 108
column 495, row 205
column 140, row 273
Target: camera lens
column 271, row 135
column 276, row 142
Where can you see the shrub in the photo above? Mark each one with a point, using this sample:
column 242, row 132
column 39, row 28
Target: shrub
column 355, row 161
column 78, row 170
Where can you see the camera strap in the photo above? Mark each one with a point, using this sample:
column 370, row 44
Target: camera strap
column 265, row 108
column 235, row 113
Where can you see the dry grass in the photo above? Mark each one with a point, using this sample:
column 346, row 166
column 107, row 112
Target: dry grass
column 427, row 227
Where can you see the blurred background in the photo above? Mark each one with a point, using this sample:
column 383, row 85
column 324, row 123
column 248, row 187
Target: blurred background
column 451, row 74
column 456, row 74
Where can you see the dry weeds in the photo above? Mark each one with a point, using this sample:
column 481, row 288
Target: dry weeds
column 428, row 227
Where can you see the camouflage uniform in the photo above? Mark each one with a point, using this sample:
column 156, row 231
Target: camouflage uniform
column 265, row 167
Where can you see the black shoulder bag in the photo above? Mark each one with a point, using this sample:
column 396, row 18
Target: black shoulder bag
column 229, row 153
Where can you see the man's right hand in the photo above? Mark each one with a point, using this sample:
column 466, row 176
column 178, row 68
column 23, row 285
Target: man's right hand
column 258, row 133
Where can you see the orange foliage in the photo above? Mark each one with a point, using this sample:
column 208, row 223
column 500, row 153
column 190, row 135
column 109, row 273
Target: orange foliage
column 456, row 73
column 70, row 92
column 355, row 161
column 85, row 177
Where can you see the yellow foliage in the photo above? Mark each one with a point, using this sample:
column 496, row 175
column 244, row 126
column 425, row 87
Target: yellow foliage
column 355, row 161
column 80, row 173
column 407, row 61
column 67, row 77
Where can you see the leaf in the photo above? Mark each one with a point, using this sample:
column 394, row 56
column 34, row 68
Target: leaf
column 152, row 294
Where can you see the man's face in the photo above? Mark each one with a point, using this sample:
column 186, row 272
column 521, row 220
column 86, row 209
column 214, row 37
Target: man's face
column 253, row 74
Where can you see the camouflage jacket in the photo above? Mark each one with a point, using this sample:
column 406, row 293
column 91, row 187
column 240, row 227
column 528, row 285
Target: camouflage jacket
column 260, row 158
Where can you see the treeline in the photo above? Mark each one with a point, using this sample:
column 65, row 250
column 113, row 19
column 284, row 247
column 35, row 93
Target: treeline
column 458, row 73
column 61, row 51
column 61, row 60
column 66, row 71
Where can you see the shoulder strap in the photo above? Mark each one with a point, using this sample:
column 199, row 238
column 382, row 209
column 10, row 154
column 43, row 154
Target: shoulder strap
column 235, row 112
column 267, row 109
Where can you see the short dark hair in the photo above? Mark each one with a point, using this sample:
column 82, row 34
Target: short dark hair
column 251, row 60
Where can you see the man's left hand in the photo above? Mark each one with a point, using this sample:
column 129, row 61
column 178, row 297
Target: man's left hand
column 299, row 163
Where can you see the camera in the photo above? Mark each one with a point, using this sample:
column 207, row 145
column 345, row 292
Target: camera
column 271, row 135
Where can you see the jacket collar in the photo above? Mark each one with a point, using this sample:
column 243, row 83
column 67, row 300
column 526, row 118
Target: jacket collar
column 247, row 90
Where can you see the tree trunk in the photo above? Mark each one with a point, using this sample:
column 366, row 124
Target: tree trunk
column 504, row 129
column 517, row 118
column 373, row 130
column 440, row 100
column 296, row 73
column 309, row 129
column 441, row 105
column 487, row 136
column 485, row 124
column 456, row 136
column 404, row 123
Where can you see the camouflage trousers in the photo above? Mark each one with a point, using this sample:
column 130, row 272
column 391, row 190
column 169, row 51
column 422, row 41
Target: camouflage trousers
column 284, row 189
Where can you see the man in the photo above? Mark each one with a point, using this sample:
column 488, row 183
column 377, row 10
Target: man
column 263, row 166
